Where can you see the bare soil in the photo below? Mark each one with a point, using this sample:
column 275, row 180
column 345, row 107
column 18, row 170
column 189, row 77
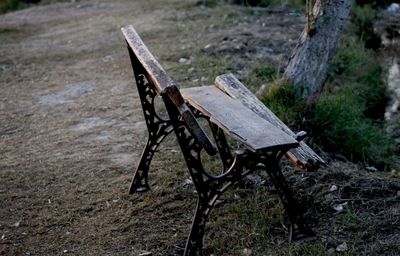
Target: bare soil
column 71, row 133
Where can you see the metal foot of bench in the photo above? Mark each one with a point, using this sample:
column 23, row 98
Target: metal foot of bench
column 140, row 179
column 194, row 243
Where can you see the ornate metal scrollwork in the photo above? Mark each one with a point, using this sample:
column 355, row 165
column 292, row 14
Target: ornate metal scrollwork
column 209, row 187
column 158, row 128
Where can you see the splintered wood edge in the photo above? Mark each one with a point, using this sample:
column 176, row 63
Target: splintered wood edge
column 159, row 77
column 303, row 156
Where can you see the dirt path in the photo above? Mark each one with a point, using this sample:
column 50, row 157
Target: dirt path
column 71, row 131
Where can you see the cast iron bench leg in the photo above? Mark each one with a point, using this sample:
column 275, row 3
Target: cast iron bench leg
column 194, row 243
column 156, row 136
column 295, row 216
column 157, row 127
column 222, row 145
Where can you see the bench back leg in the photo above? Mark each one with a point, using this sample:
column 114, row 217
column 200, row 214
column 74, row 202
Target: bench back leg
column 298, row 230
column 157, row 127
column 222, row 145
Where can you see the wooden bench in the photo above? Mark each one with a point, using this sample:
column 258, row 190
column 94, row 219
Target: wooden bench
column 231, row 110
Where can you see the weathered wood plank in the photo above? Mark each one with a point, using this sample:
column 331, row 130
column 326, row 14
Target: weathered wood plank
column 238, row 121
column 303, row 156
column 162, row 81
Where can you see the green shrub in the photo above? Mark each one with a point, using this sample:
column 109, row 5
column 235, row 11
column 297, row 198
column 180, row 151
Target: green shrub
column 355, row 64
column 10, row 5
column 260, row 74
column 338, row 122
column 362, row 24
column 348, row 118
column 281, row 97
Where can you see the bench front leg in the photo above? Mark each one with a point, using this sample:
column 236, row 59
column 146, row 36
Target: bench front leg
column 156, row 136
column 158, row 128
column 194, row 242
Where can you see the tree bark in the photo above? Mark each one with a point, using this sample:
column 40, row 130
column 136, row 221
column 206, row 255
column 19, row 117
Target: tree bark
column 308, row 65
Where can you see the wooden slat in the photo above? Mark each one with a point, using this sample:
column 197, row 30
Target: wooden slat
column 303, row 156
column 158, row 76
column 238, row 121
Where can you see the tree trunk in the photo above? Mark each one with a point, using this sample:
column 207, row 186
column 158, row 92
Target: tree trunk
column 308, row 65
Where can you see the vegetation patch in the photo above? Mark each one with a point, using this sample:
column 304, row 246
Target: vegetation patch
column 348, row 117
column 10, row 5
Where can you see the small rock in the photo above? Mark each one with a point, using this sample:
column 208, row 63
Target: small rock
column 3, row 237
column 17, row 224
column 184, row 61
column 246, row 252
column 187, row 183
column 243, row 72
column 208, row 46
column 253, row 180
column 339, row 207
column 331, row 251
column 145, row 254
column 67, row 233
column 333, row 188
column 65, row 251
column 342, row 247
column 394, row 8
column 371, row 169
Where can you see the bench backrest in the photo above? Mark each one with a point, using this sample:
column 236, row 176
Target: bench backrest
column 163, row 84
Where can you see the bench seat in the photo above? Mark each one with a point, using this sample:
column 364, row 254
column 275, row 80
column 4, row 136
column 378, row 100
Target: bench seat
column 242, row 124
